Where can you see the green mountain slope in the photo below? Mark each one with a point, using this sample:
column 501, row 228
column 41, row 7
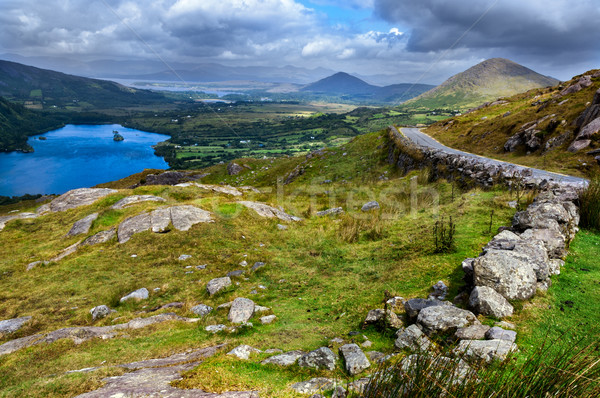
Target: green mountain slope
column 486, row 81
column 43, row 88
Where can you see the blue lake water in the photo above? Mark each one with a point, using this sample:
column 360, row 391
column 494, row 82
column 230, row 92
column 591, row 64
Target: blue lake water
column 77, row 156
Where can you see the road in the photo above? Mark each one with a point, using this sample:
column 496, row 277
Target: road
column 422, row 139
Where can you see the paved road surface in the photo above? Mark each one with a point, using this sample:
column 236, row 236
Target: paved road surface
column 420, row 138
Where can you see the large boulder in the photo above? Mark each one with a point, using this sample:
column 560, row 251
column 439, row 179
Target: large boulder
column 444, row 318
column 355, row 360
column 321, row 358
column 133, row 225
column 553, row 240
column 241, row 310
column 473, row 332
column 538, row 257
column 505, row 240
column 83, row 226
column 140, row 294
column 184, row 217
column 485, row 350
column 412, row 338
column 507, row 272
column 216, row 285
column 415, row 305
column 486, row 301
column 234, row 169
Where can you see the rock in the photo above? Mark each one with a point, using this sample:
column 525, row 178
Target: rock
column 264, row 210
column 583, row 82
column 354, row 359
column 506, row 325
column 165, row 178
column 554, row 266
column 440, row 291
column 236, row 273
column 375, row 317
column 201, row 309
column 234, row 169
column 553, row 240
column 184, row 217
column 215, row 328
column 282, row 227
column 578, row 145
column 375, row 356
column 444, row 318
column 83, row 226
column 100, row 237
column 339, row 392
column 366, row 344
column 329, row 212
column 160, row 219
column 507, row 272
column 372, row 205
column 134, row 199
column 243, row 351
column 287, row 359
column 257, row 265
column 486, row 350
column 224, row 189
column 267, row 319
column 34, row 264
column 100, row 312
column 216, row 285
column 538, row 256
column 176, row 304
column 14, row 345
column 359, row 386
column 260, row 308
column 9, row 326
column 78, row 197
column 414, row 306
column 133, row 225
column 396, row 303
column 321, row 358
column 140, row 294
column 467, row 267
column 497, row 333
column 241, row 310
column 412, row 338
column 473, row 332
column 313, row 386
column 184, row 257
column 66, row 251
column 486, row 301
column 505, row 240
column 589, row 130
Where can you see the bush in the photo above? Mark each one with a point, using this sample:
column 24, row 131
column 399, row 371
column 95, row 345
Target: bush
column 443, row 236
column 589, row 206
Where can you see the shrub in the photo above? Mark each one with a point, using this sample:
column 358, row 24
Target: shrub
column 443, row 236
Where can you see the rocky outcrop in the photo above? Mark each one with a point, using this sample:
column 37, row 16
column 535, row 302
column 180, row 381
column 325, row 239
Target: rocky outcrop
column 285, row 359
column 79, row 197
column 412, row 338
column 330, row 212
column 234, row 169
column 83, row 226
column 19, row 216
column 9, row 326
column 224, row 189
column 134, row 199
column 264, row 210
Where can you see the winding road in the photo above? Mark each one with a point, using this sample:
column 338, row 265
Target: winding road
column 422, row 139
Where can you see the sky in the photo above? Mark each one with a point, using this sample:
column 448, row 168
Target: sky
column 418, row 41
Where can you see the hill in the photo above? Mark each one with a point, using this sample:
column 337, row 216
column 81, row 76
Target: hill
column 553, row 128
column 486, row 81
column 42, row 88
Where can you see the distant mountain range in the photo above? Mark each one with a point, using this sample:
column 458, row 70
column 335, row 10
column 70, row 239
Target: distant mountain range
column 486, row 81
column 344, row 84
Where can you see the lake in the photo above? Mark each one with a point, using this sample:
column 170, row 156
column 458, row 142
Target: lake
column 77, row 156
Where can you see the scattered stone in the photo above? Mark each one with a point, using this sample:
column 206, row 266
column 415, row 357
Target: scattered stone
column 354, row 359
column 215, row 328
column 267, row 319
column 34, row 264
column 472, row 332
column 339, row 392
column 282, row 227
column 273, row 351
column 216, row 285
column 184, row 257
column 372, row 205
column 134, row 199
column 78, row 197
column 321, row 358
column 554, row 266
column 486, row 301
column 100, row 237
column 14, row 345
column 176, row 304
column 100, row 312
column 140, row 294
column 313, row 386
column 243, row 351
column 412, row 338
column 375, row 356
column 440, row 291
column 396, row 303
column 414, row 306
column 260, row 308
column 66, row 252
column 236, row 273
column 486, row 350
column 241, row 310
column 83, row 226
column 366, row 344
column 201, row 309
column 264, row 210
column 336, row 340
column 286, row 359
column 257, row 265
column 359, row 386
column 444, row 318
column 330, row 212
column 9, row 326
column 376, row 317
column 497, row 333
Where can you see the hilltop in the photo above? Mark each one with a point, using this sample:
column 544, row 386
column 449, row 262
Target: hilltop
column 486, row 81
column 552, row 128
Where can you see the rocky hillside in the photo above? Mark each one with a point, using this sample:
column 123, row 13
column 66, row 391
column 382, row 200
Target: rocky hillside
column 486, row 81
column 553, row 128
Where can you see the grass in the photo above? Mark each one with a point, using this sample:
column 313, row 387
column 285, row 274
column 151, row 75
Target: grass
column 589, row 205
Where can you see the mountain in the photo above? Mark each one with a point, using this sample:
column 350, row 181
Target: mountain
column 347, row 85
column 41, row 88
column 486, row 81
column 553, row 128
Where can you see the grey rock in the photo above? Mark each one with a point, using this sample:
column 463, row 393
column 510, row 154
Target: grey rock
column 359, row 386
column 260, row 308
column 473, row 332
column 505, row 240
column 133, row 225
column 100, row 237
column 264, row 210
column 201, row 309
column 440, row 291
column 241, row 310
column 160, row 219
column 354, row 359
column 553, row 240
column 376, row 317
column 375, row 356
column 414, row 306
column 506, row 325
column 589, row 130
column 101, row 311
column 83, row 226
column 79, row 197
column 313, row 386
column 34, row 264
column 329, row 212
column 286, row 359
column 267, row 319
column 578, row 145
column 538, row 256
column 507, row 272
column 396, row 303
column 216, row 285
column 412, row 338
column 372, row 205
column 555, row 265
column 18, row 216
column 257, row 265
column 273, row 351
column 339, row 392
column 234, row 169
column 215, row 328
column 282, row 227
column 140, row 294
column 497, row 333
column 14, row 345
column 184, row 217
column 444, row 318
column 9, row 326
column 134, row 199
column 184, row 257
column 243, row 351
column 236, row 273
column 321, row 358
column 486, row 350
column 486, row 301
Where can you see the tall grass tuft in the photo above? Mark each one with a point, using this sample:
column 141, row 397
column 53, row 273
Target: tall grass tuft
column 555, row 370
column 443, row 236
column 589, row 205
